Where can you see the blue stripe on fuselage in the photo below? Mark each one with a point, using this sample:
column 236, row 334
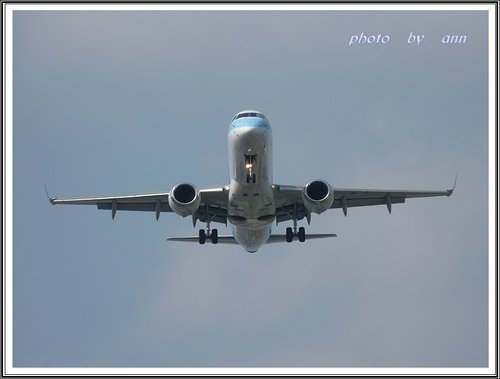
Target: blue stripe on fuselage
column 249, row 122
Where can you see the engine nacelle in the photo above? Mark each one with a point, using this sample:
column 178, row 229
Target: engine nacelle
column 317, row 196
column 184, row 199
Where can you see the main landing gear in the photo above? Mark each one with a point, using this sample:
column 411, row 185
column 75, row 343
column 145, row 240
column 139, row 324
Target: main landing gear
column 292, row 232
column 213, row 235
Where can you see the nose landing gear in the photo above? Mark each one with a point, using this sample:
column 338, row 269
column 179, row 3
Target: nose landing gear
column 249, row 162
column 250, row 177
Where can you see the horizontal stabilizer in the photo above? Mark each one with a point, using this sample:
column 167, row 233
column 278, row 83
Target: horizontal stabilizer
column 220, row 239
column 274, row 238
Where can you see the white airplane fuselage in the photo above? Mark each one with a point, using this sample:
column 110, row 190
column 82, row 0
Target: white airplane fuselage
column 251, row 208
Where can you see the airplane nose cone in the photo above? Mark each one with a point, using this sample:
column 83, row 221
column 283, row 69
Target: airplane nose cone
column 250, row 122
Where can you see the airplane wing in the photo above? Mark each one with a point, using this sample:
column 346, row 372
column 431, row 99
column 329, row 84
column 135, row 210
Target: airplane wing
column 213, row 204
column 289, row 203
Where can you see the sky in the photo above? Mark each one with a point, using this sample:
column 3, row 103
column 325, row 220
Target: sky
column 116, row 103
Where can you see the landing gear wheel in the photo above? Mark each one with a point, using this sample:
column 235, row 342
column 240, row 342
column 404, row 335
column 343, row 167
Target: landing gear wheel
column 251, row 178
column 289, row 234
column 214, row 236
column 202, row 236
column 302, row 234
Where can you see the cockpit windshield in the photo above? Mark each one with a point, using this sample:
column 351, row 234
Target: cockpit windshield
column 249, row 114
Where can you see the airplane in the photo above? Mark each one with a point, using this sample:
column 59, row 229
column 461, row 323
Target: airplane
column 251, row 203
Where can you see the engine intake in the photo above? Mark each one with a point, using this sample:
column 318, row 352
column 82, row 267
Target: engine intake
column 317, row 196
column 184, row 199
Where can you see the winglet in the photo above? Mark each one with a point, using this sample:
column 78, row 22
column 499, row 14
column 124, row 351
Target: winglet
column 450, row 191
column 51, row 199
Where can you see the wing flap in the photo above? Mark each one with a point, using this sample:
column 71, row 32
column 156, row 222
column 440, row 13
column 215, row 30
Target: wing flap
column 367, row 201
column 147, row 207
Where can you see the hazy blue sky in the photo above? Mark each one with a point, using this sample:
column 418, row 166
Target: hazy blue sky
column 110, row 103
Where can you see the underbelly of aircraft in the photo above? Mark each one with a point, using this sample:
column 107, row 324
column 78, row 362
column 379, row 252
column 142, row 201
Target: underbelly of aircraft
column 252, row 237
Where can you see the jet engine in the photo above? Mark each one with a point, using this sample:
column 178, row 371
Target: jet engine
column 184, row 199
column 317, row 196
